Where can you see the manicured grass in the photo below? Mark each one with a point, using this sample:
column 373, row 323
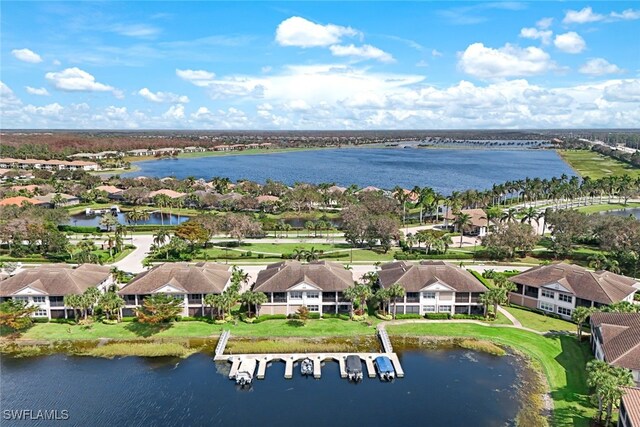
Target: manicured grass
column 147, row 349
column 540, row 322
column 561, row 357
column 594, row 165
column 607, row 207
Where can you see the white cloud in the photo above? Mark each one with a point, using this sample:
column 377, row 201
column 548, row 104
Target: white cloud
column 266, row 69
column 422, row 64
column 361, row 52
column 435, row 53
column 175, row 112
column 56, row 62
column 599, row 67
column 160, row 97
column 77, row 80
column 196, row 77
column 534, row 33
column 40, row 91
column 297, row 31
column 51, row 110
column 508, row 61
column 26, row 55
column 623, row 91
column 544, row 23
column 570, row 42
column 135, row 30
column 587, row 15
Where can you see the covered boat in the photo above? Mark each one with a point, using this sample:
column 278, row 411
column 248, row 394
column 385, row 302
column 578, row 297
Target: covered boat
column 385, row 368
column 306, row 367
column 353, row 365
column 244, row 376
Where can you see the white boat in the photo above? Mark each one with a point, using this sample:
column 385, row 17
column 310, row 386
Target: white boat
column 306, row 367
column 244, row 376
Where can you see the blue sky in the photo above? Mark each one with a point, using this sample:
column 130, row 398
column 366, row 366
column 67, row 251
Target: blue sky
column 319, row 65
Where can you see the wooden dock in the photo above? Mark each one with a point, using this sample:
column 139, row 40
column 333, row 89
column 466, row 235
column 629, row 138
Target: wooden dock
column 291, row 359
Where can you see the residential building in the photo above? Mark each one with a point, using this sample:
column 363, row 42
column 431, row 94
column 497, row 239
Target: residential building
column 433, row 287
column 629, row 415
column 187, row 282
column 66, row 199
column 19, row 201
column 478, row 225
column 615, row 338
column 113, row 193
column 53, row 165
column 47, row 285
column 169, row 193
column 318, row 285
column 560, row 288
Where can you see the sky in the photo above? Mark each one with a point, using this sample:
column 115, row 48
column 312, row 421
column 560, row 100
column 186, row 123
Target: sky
column 319, row 65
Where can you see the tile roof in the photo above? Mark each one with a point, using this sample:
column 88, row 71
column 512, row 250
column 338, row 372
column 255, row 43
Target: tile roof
column 328, row 276
column 56, row 279
column 415, row 277
column 478, row 216
column 631, row 400
column 169, row 193
column 18, row 201
column 600, row 286
column 201, row 278
column 620, row 336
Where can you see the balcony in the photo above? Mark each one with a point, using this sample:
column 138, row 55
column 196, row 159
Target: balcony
column 462, row 297
column 328, row 297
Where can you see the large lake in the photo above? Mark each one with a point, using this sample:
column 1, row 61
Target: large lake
column 440, row 388
column 445, row 170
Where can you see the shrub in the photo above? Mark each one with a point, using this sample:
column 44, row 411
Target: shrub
column 78, row 229
column 70, row 321
column 315, row 316
column 128, row 319
column 110, row 321
column 359, row 318
column 40, row 320
column 383, row 316
column 483, row 277
column 408, row 316
column 265, row 317
column 468, row 317
column 437, row 316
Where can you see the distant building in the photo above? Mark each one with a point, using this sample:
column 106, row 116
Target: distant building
column 113, row 193
column 67, row 199
column 19, row 201
column 52, row 165
column 317, row 285
column 433, row 287
column 560, row 288
column 615, row 339
column 47, row 285
column 189, row 283
column 169, row 193
column 478, row 225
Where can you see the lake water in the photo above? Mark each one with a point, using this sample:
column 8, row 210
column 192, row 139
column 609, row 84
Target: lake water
column 440, row 388
column 154, row 218
column 625, row 212
column 445, row 170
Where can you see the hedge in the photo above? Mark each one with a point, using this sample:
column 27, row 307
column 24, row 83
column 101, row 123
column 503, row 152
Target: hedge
column 468, row 317
column 408, row 316
column 79, row 229
column 437, row 316
column 482, row 280
column 408, row 257
column 264, row 317
column 340, row 316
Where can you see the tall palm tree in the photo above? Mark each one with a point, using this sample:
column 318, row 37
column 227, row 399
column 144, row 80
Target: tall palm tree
column 401, row 197
column 579, row 316
column 395, row 291
column 462, row 222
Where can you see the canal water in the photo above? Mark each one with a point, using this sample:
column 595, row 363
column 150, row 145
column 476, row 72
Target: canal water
column 634, row 212
column 451, row 387
column 84, row 220
column 445, row 170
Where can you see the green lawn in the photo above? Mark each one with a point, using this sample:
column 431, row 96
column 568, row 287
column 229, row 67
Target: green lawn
column 540, row 322
column 561, row 358
column 594, row 165
column 606, row 207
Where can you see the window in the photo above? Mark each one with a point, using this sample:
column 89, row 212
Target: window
column 313, row 308
column 295, row 295
column 429, row 308
column 40, row 313
column 279, row 297
column 546, row 307
column 429, row 295
column 23, row 299
column 412, row 309
column 444, row 309
column 565, row 298
column 313, row 295
column 547, row 294
column 413, row 296
column 564, row 311
column 38, row 300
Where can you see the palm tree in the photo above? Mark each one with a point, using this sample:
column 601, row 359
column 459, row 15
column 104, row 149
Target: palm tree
column 160, row 238
column 508, row 215
column 401, row 197
column 110, row 303
column 75, row 302
column 361, row 293
column 607, row 381
column 108, row 221
column 312, row 254
column 110, row 242
column 383, row 297
column 462, row 222
column 395, row 291
column 485, row 300
column 579, row 316
column 210, row 301
column 253, row 298
column 529, row 214
column 161, row 201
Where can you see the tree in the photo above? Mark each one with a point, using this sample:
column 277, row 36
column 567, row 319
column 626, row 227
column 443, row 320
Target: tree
column 159, row 308
column 210, row 300
column 108, row 221
column 359, row 293
column 239, row 226
column 192, row 232
column 91, row 297
column 76, row 303
column 302, row 314
column 579, row 316
column 16, row 315
column 485, row 300
column 383, row 297
column 508, row 238
column 607, row 382
column 395, row 291
column 111, row 303
column 462, row 222
column 253, row 298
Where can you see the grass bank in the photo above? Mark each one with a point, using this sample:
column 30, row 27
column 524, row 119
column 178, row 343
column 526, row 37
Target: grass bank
column 595, row 165
column 148, row 349
column 607, row 207
column 539, row 322
column 561, row 357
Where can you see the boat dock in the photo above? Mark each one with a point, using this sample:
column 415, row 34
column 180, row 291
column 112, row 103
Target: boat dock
column 290, row 359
